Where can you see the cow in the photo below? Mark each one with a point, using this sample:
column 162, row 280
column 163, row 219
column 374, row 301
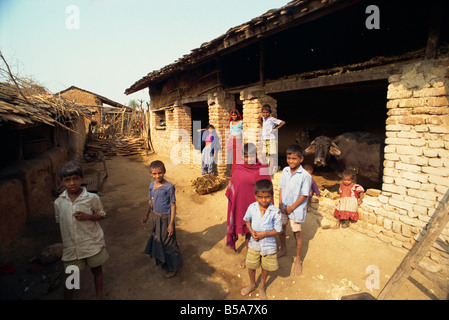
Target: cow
column 302, row 138
column 360, row 151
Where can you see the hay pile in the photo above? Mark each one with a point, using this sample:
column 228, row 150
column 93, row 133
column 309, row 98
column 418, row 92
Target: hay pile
column 208, row 183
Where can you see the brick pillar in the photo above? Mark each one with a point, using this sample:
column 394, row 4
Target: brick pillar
column 179, row 124
column 220, row 106
column 416, row 166
column 253, row 100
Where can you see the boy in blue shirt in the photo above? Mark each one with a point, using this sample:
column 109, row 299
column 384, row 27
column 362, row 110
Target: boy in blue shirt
column 294, row 190
column 263, row 221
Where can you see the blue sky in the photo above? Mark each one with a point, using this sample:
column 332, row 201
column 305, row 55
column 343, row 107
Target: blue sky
column 104, row 46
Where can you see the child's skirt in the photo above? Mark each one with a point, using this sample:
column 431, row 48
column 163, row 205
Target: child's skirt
column 347, row 209
column 162, row 247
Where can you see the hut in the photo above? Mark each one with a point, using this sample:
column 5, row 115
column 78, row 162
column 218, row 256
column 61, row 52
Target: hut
column 110, row 116
column 38, row 131
column 342, row 65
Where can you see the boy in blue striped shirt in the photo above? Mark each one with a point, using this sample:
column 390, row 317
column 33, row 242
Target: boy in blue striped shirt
column 263, row 220
column 294, row 190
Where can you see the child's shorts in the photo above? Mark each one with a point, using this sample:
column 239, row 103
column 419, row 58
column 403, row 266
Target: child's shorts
column 254, row 260
column 296, row 226
column 271, row 147
column 91, row 262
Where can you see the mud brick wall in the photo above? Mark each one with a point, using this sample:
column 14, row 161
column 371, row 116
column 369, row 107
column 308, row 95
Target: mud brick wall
column 253, row 100
column 174, row 140
column 220, row 106
column 416, row 173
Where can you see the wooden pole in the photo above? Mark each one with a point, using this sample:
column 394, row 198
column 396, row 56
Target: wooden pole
column 418, row 251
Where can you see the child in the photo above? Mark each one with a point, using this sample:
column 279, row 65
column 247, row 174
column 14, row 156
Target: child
column 209, row 153
column 162, row 244
column 269, row 124
column 294, row 190
column 78, row 212
column 314, row 188
column 240, row 194
column 263, row 221
column 234, row 143
column 351, row 195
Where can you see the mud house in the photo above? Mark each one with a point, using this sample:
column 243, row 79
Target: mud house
column 38, row 132
column 334, row 65
column 104, row 110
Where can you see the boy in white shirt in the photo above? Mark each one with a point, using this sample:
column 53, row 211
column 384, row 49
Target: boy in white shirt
column 78, row 212
column 270, row 136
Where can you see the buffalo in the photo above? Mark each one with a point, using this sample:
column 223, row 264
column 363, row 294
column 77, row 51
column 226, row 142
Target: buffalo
column 361, row 151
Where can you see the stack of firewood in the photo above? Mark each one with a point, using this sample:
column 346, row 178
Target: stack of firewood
column 115, row 147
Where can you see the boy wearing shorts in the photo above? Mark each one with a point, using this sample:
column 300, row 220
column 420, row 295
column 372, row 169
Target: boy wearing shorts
column 263, row 221
column 294, row 190
column 270, row 137
column 78, row 211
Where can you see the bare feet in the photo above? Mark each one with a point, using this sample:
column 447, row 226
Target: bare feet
column 262, row 293
column 170, row 274
column 242, row 264
column 297, row 269
column 247, row 290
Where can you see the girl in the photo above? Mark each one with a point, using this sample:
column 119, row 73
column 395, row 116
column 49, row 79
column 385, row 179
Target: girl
column 162, row 244
column 351, row 195
column 240, row 194
column 234, row 144
column 211, row 147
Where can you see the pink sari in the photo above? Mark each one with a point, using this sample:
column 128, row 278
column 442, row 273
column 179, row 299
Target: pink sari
column 240, row 194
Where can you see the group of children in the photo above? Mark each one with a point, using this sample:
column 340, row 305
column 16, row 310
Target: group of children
column 211, row 146
column 79, row 211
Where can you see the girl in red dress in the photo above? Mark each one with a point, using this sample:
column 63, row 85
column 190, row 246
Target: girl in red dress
column 351, row 195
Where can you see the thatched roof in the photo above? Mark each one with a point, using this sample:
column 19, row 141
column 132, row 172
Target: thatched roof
column 275, row 20
column 28, row 109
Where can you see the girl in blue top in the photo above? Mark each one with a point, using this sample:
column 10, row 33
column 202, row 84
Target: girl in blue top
column 162, row 244
column 234, row 144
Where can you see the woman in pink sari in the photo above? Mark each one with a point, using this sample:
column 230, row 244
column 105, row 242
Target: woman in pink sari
column 240, row 194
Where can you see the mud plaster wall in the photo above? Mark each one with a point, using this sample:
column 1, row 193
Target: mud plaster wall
column 28, row 185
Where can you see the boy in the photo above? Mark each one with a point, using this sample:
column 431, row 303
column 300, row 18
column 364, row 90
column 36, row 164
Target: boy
column 314, row 188
column 263, row 221
column 294, row 190
column 78, row 212
column 162, row 244
column 269, row 125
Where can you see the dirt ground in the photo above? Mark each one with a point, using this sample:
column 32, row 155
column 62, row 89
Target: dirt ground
column 336, row 262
